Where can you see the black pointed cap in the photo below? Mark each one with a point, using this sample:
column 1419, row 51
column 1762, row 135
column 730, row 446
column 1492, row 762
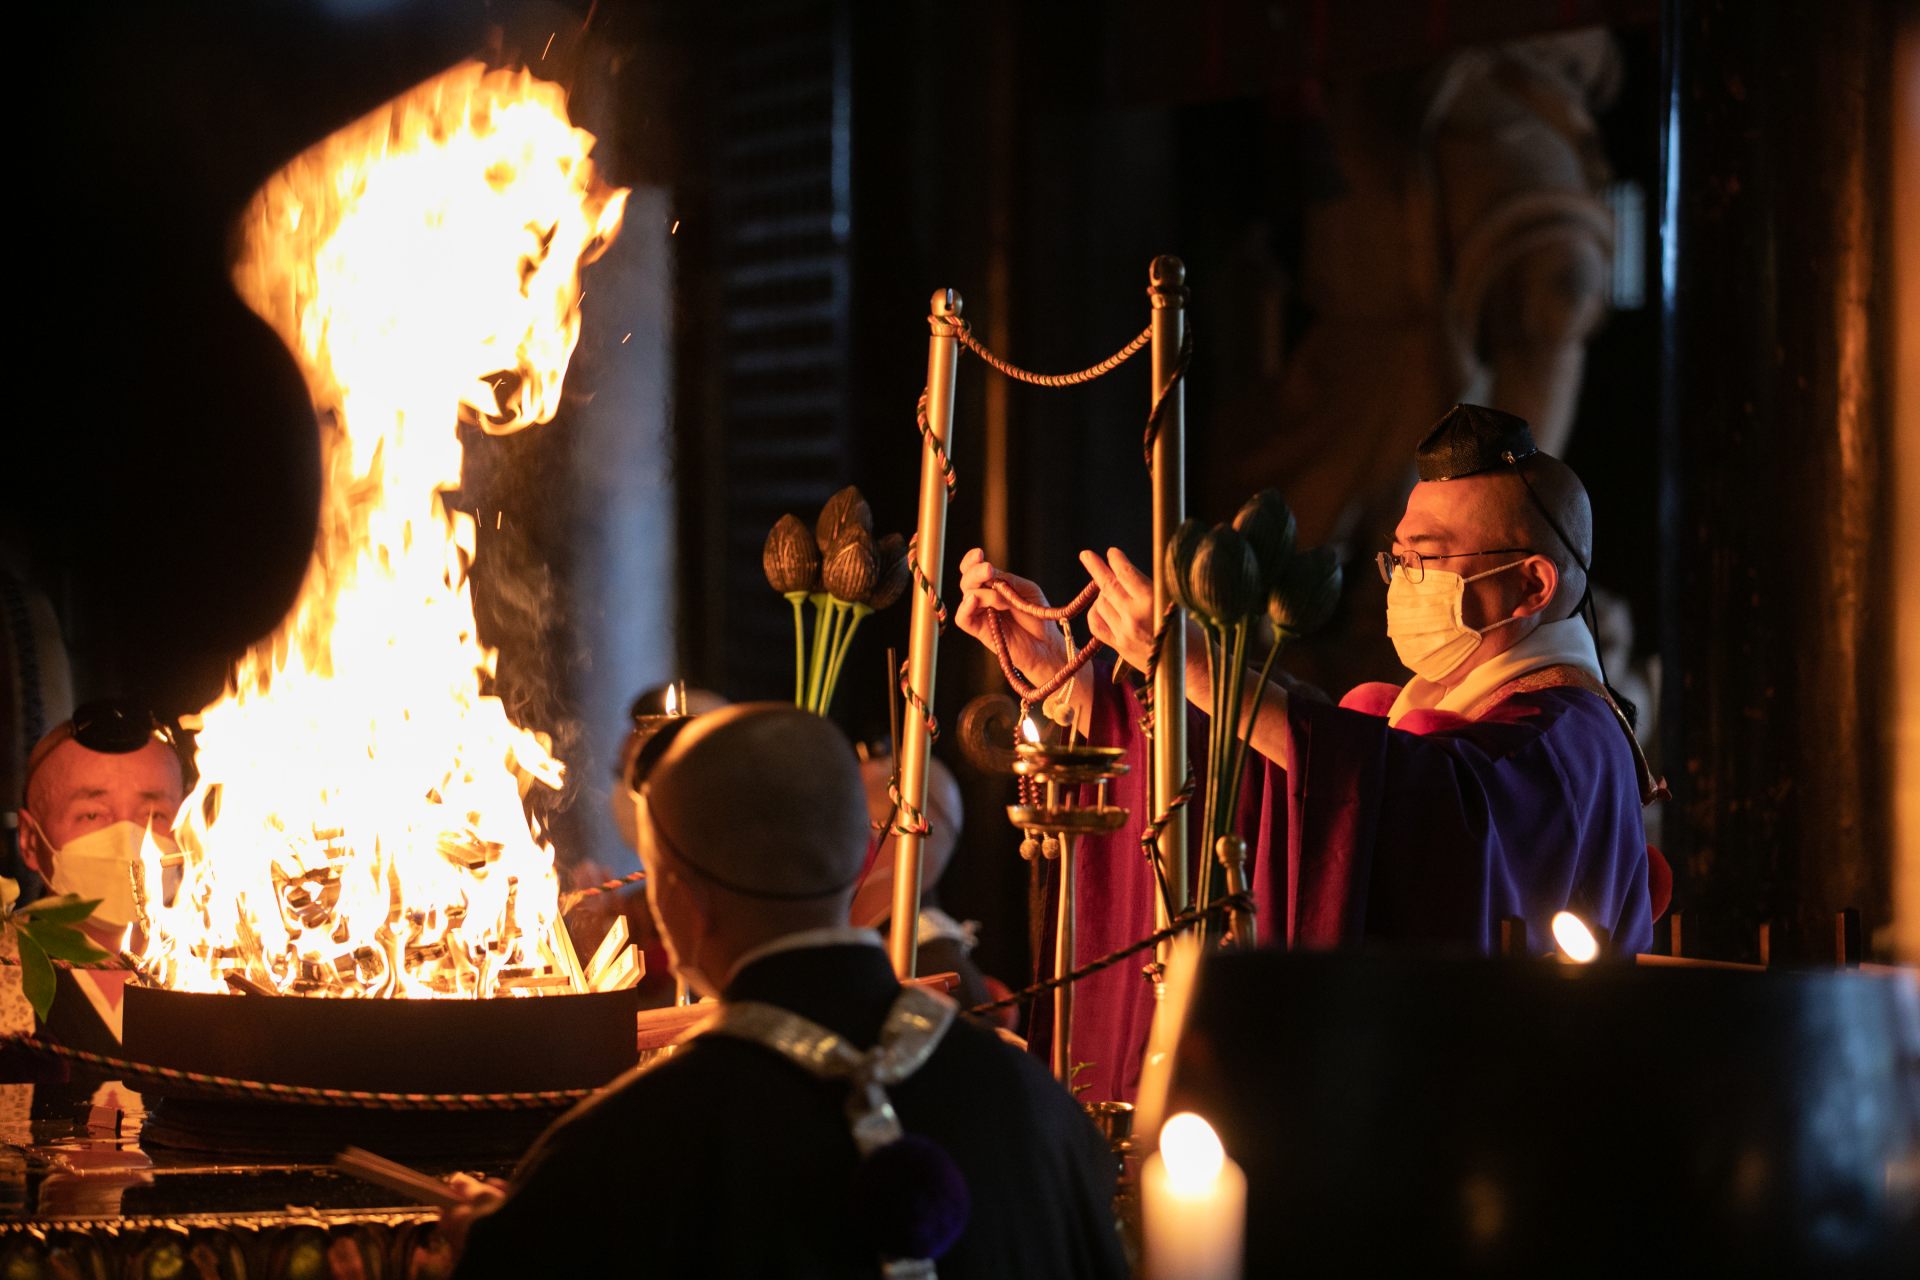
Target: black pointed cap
column 1472, row 438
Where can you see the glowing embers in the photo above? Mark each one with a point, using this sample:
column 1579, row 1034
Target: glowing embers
column 359, row 825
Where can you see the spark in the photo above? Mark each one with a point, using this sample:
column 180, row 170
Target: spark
column 623, row 341
column 549, row 49
column 674, row 230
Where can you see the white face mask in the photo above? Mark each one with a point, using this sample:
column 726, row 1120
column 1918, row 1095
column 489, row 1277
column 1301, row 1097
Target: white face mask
column 1424, row 621
column 100, row 865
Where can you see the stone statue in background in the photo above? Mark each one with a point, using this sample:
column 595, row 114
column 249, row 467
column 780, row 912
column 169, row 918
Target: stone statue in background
column 1465, row 256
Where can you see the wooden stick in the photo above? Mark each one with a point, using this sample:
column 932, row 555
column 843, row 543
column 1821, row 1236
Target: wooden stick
column 893, row 708
column 395, row 1176
column 607, row 952
column 1513, row 937
column 1848, row 944
column 1682, row 962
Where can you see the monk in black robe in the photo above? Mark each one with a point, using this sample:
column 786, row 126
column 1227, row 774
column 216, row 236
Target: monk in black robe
column 875, row 1127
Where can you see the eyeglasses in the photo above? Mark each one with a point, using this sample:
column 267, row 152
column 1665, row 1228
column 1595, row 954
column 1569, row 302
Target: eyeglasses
column 115, row 728
column 1414, row 565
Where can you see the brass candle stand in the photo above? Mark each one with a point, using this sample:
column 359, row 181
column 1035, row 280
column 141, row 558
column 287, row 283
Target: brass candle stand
column 1050, row 815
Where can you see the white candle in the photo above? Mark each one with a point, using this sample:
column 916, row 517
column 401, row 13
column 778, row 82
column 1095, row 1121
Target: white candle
column 1193, row 1205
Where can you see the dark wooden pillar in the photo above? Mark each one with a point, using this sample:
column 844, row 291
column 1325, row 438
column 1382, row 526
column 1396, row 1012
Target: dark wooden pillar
column 1776, row 226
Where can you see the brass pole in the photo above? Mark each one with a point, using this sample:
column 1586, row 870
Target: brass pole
column 1167, row 281
column 943, row 354
column 1062, row 966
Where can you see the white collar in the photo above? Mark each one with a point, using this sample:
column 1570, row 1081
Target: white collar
column 841, row 935
column 936, row 925
column 1566, row 643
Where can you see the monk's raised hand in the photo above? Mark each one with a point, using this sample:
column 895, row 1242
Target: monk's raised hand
column 1034, row 644
column 1122, row 617
column 479, row 1198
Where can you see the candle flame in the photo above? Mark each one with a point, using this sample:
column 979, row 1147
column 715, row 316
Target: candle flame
column 1029, row 730
column 672, row 699
column 1576, row 941
column 1192, row 1153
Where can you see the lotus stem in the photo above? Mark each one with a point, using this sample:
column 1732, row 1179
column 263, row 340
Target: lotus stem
column 1235, row 652
column 796, row 599
column 1216, row 680
column 1253, row 712
column 857, row 614
column 826, row 609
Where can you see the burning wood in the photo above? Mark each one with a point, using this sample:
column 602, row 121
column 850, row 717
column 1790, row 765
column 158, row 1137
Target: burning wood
column 358, row 828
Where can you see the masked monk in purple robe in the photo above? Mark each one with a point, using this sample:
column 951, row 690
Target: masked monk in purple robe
column 1502, row 780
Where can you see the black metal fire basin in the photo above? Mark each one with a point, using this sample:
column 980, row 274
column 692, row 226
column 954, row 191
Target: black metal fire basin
column 499, row 1046
column 504, row 1045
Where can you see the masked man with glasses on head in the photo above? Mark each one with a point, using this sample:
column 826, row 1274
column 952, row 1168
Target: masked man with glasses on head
column 95, row 786
column 1502, row 779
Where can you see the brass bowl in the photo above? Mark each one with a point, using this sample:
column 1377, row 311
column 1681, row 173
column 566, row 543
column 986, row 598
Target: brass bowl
column 1030, row 757
column 1092, row 820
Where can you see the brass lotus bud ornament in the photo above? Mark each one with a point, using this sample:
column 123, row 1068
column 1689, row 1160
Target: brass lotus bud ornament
column 791, row 562
column 1306, row 595
column 790, row 559
column 839, row 568
column 845, row 510
column 1266, row 522
column 1223, row 579
column 892, row 572
column 1227, row 577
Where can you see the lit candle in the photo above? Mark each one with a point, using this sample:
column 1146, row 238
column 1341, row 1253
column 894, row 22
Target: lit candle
column 1193, row 1205
column 1576, row 941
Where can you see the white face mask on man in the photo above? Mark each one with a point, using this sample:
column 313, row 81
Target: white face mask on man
column 99, row 864
column 1426, row 623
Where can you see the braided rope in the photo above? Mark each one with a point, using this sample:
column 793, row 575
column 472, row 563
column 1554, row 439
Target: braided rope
column 1150, row 834
column 962, row 330
column 929, row 587
column 920, row 826
column 109, row 965
column 305, row 1095
column 1179, row 924
column 568, row 900
column 1166, row 390
column 921, row 419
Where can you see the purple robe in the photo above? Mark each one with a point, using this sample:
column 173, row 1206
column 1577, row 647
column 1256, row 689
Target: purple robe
column 1379, row 834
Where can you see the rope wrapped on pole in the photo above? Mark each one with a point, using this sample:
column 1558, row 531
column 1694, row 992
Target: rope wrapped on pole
column 1172, row 782
column 1166, row 464
column 935, row 415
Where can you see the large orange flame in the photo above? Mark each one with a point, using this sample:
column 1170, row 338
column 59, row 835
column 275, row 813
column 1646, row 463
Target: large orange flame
column 358, row 827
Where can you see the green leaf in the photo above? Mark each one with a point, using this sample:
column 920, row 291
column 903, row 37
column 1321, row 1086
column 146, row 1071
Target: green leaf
column 68, row 908
column 36, row 976
column 62, row 941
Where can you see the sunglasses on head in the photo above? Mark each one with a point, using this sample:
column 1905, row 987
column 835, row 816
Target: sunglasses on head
column 652, row 748
column 113, row 727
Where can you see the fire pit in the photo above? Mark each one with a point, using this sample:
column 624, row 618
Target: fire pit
column 448, row 1047
column 358, row 856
